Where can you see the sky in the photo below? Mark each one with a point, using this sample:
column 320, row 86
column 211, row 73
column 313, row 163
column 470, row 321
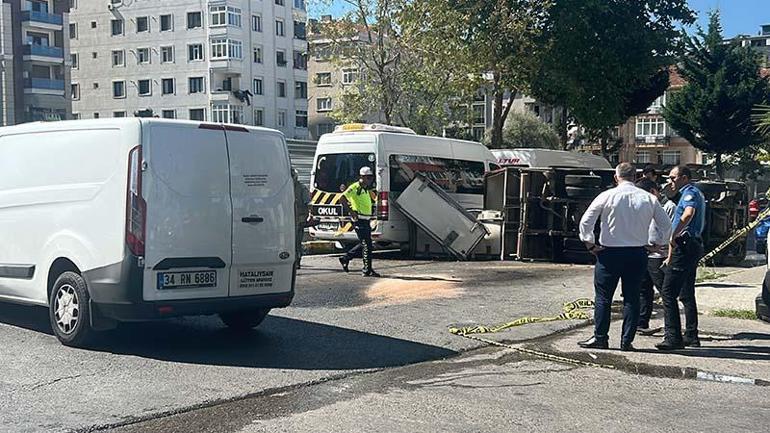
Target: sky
column 738, row 16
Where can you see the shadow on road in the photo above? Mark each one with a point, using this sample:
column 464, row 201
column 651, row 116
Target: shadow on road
column 280, row 342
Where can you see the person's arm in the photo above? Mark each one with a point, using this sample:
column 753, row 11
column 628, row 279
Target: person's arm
column 345, row 202
column 684, row 221
column 588, row 222
column 662, row 226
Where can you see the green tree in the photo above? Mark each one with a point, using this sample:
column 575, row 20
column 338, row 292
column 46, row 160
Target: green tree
column 607, row 60
column 713, row 110
column 524, row 129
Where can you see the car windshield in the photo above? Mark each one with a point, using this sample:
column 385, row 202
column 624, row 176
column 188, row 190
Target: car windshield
column 335, row 172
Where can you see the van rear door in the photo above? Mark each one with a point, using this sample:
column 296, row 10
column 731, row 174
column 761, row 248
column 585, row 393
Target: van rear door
column 263, row 212
column 189, row 212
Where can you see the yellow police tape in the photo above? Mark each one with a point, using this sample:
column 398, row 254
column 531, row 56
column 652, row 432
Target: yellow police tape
column 738, row 234
column 574, row 310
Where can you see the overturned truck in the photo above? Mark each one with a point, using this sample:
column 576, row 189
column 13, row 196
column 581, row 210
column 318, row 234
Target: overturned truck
column 538, row 211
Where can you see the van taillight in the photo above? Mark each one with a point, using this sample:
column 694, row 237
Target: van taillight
column 136, row 208
column 383, row 207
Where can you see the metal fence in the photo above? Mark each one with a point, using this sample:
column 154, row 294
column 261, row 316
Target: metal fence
column 301, row 153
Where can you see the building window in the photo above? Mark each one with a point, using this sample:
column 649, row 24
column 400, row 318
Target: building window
column 480, row 115
column 194, row 21
column 235, row 49
column 323, row 104
column 96, row 115
column 218, row 15
column 167, row 54
column 224, row 113
column 118, row 58
column 300, row 30
column 168, row 114
column 166, row 23
column 349, row 75
column 300, row 120
column 650, row 126
column 478, row 133
column 195, row 85
column 643, row 157
column 94, row 55
column 75, row 116
column 118, row 89
column 281, row 89
column 300, row 60
column 197, row 114
column 279, row 2
column 96, row 85
column 299, row 4
column 74, row 60
column 259, row 117
column 73, row 30
column 93, row 24
column 325, row 128
column 280, row 58
column 75, row 91
column 143, row 55
column 195, row 52
column 657, row 104
column 300, row 90
column 281, row 118
column 167, row 86
column 117, row 27
column 226, row 49
column 671, row 157
column 142, row 24
column 144, row 87
column 279, row 30
column 323, row 79
column 257, row 87
column 256, row 23
column 257, row 54
column 118, row 114
column 234, row 16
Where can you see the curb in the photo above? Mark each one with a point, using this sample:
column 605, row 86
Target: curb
column 319, row 247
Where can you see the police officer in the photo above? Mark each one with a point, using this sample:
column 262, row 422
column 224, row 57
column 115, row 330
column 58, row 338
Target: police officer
column 301, row 214
column 358, row 199
column 685, row 250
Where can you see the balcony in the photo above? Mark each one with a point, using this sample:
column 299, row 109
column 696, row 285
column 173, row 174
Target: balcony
column 43, row 19
column 43, row 53
column 44, row 85
column 653, row 141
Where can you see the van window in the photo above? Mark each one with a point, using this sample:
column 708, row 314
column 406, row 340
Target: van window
column 454, row 176
column 335, row 172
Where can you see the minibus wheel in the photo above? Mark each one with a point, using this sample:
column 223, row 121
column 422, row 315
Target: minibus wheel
column 68, row 310
column 244, row 320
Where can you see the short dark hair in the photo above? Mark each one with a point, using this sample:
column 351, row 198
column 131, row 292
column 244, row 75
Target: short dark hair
column 683, row 170
column 649, row 169
column 625, row 171
column 647, row 185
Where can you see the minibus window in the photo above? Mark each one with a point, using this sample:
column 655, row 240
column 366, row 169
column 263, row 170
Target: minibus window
column 335, row 172
column 452, row 175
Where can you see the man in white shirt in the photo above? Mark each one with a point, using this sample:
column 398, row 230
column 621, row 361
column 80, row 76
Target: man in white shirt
column 626, row 213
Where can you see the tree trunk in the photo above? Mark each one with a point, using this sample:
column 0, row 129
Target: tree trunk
column 563, row 129
column 497, row 119
column 720, row 169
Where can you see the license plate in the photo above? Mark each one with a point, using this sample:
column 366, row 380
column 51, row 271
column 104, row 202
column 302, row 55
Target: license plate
column 328, row 211
column 186, row 280
column 327, row 227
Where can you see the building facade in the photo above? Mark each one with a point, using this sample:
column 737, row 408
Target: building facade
column 233, row 61
column 759, row 43
column 33, row 61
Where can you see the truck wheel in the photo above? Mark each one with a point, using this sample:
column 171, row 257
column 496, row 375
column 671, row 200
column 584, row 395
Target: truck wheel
column 245, row 319
column 68, row 310
column 583, row 181
column 582, row 193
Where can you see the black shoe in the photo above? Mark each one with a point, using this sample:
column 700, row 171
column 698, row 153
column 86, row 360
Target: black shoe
column 372, row 274
column 344, row 262
column 648, row 331
column 691, row 342
column 667, row 345
column 593, row 343
column 627, row 347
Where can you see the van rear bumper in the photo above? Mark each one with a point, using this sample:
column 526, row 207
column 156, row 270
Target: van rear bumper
column 141, row 311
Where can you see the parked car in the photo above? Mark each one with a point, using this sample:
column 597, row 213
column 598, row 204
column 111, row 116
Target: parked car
column 135, row 219
column 756, row 206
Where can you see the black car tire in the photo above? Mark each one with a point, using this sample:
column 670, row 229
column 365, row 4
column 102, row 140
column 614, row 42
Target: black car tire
column 69, row 310
column 583, row 181
column 582, row 193
column 243, row 320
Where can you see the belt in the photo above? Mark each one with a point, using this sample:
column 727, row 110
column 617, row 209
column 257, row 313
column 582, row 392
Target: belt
column 366, row 217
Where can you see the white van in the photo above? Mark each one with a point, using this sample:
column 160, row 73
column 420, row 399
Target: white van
column 127, row 219
column 545, row 158
column 396, row 155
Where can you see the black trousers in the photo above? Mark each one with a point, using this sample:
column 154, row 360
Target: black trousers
column 652, row 279
column 627, row 265
column 679, row 285
column 364, row 232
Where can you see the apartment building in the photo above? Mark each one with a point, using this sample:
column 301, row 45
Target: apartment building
column 234, row 61
column 759, row 43
column 33, row 71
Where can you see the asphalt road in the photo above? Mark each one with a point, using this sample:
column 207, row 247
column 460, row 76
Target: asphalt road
column 339, row 326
